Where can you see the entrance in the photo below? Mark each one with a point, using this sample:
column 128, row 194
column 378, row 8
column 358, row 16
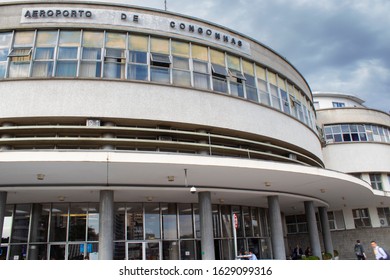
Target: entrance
column 145, row 250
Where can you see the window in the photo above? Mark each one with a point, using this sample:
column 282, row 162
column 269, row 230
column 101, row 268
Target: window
column 236, row 77
column 361, row 218
column 376, row 181
column 354, row 133
column 115, row 56
column 218, row 70
column 274, row 90
column 262, row 86
column 200, row 67
column 336, row 220
column 5, row 43
column 160, row 61
column 91, row 54
column 296, row 224
column 137, row 68
column 338, row 104
column 250, row 81
column 68, row 54
column 180, row 63
column 44, row 54
column 20, row 55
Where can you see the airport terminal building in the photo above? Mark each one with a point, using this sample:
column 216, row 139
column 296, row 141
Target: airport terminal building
column 134, row 133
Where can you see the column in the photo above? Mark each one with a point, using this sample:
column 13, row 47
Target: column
column 275, row 219
column 106, row 225
column 328, row 244
column 34, row 231
column 5, row 147
column 312, row 227
column 3, row 202
column 206, row 226
column 206, row 151
column 108, row 135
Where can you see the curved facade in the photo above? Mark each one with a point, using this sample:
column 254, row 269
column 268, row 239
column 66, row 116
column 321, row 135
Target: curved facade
column 117, row 111
column 357, row 142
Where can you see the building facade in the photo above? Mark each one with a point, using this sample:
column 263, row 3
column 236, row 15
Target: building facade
column 132, row 133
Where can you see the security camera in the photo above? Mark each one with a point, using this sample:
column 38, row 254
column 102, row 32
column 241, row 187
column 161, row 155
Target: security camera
column 193, row 189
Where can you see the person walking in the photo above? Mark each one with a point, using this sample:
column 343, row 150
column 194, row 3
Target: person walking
column 380, row 253
column 359, row 251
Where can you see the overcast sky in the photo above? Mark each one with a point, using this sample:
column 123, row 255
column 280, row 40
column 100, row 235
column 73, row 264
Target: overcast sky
column 337, row 45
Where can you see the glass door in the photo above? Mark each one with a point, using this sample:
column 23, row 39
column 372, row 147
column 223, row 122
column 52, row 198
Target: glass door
column 144, row 250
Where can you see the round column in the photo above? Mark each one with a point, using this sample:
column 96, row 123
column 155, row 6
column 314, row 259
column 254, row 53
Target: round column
column 206, row 226
column 326, row 235
column 312, row 227
column 106, row 225
column 275, row 219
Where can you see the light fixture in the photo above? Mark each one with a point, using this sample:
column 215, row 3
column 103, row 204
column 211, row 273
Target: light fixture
column 221, row 200
column 149, row 198
column 322, row 190
column 40, row 176
column 267, row 184
column 61, row 198
column 171, row 178
column 193, row 189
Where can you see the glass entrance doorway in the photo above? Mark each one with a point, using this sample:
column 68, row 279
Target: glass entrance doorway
column 144, row 250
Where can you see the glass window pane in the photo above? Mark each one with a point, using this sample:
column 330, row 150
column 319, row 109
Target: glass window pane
column 260, row 73
column 281, row 83
column 37, row 252
column 170, row 250
column 57, row 252
column 159, row 45
column 181, row 63
column 135, row 222
column 272, row 78
column 45, row 53
column 185, row 221
column 138, row 57
column 217, row 57
column 251, row 94
column 115, row 40
column 160, row 75
column 137, row 72
column 93, row 222
column 5, row 39
column 119, row 224
column 169, row 220
column 138, row 43
column 66, row 69
column 187, row 250
column 180, row 49
column 59, row 222
column 4, row 54
column 226, row 221
column 18, row 252
column 69, row 38
column 220, row 85
column 93, row 39
column 201, row 81
column 248, row 67
column 67, row 53
column 200, row 66
column 114, row 70
column 181, row 78
column 19, row 69
column 199, row 52
column 77, row 221
column 152, row 221
column 21, row 223
column 39, row 222
column 90, row 69
column 216, row 222
column 24, row 38
column 46, row 38
column 92, row 53
column 7, row 224
column 233, row 63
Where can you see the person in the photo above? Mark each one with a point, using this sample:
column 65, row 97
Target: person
column 297, row 253
column 380, row 253
column 252, row 256
column 308, row 252
column 359, row 251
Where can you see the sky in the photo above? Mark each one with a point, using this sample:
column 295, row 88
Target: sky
column 337, row 45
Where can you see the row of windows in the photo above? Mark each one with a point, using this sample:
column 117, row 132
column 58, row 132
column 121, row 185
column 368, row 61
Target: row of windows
column 356, row 133
column 91, row 54
column 375, row 180
column 298, row 223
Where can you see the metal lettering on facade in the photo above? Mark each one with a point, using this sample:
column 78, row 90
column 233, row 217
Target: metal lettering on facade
column 132, row 19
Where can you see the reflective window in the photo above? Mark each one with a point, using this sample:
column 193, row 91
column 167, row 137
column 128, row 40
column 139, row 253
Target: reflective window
column 200, row 67
column 39, row 222
column 135, row 223
column 7, row 224
column 169, row 219
column 180, row 63
column 77, row 221
column 138, row 58
column 185, row 221
column 93, row 222
column 68, row 54
column 59, row 222
column 21, row 223
column 44, row 54
column 5, row 44
column 152, row 221
column 115, row 56
column 356, row 133
column 91, row 54
column 219, row 72
column 262, row 85
column 20, row 55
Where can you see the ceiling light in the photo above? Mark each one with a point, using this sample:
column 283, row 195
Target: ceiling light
column 267, row 184
column 171, row 178
column 40, row 176
column 149, row 198
column 61, row 198
column 322, row 190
